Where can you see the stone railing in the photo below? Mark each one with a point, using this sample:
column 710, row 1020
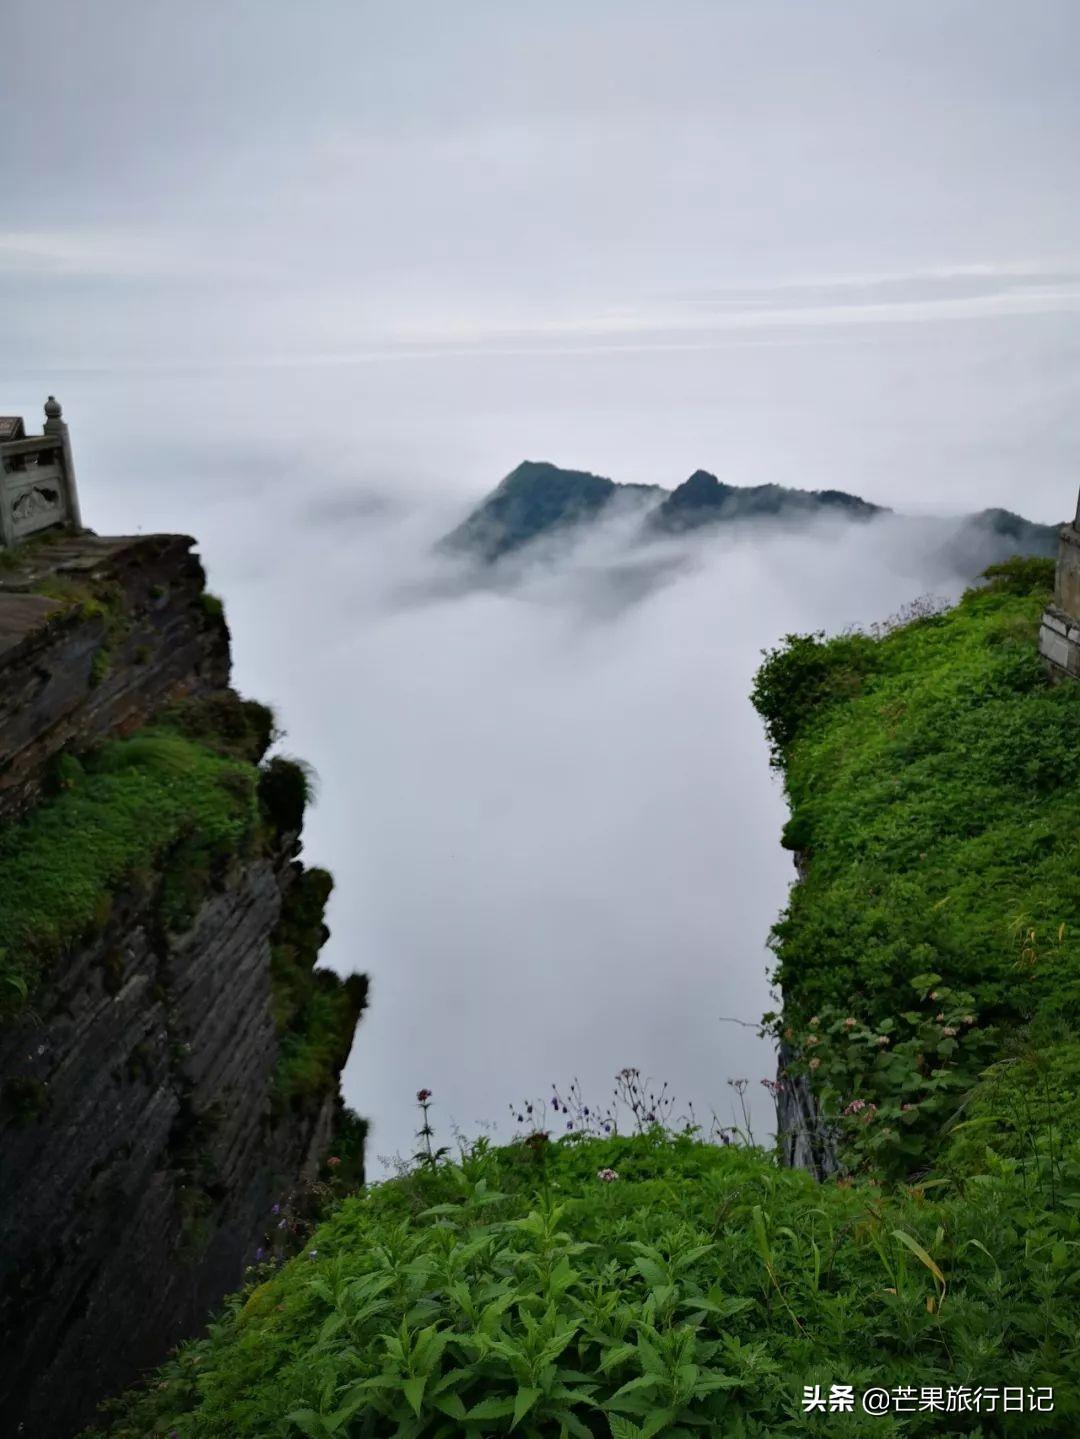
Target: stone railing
column 37, row 478
column 1059, row 633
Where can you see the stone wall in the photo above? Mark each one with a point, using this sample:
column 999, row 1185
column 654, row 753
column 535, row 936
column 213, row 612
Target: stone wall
column 1059, row 633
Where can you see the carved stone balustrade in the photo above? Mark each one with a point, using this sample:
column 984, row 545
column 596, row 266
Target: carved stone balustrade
column 37, row 478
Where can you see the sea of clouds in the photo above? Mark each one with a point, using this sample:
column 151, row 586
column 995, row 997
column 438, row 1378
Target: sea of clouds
column 543, row 792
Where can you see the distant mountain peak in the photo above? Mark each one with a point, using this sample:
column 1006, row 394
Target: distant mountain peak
column 538, row 498
column 701, row 488
column 705, row 500
column 535, row 498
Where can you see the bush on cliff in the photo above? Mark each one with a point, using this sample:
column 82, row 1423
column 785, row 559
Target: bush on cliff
column 285, row 787
column 315, row 1010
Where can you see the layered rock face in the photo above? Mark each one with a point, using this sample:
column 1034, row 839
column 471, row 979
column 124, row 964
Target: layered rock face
column 142, row 1141
column 805, row 1139
column 96, row 635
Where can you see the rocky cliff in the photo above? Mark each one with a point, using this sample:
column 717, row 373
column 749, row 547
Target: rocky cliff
column 169, row 1059
column 96, row 635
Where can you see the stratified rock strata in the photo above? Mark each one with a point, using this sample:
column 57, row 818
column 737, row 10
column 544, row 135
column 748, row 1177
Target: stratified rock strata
column 144, row 1134
column 96, row 635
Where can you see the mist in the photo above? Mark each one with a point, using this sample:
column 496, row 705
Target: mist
column 542, row 790
column 556, row 838
column 310, row 281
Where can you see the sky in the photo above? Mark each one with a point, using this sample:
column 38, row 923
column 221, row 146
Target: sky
column 310, row 279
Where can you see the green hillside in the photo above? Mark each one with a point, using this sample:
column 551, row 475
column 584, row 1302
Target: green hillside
column 932, row 778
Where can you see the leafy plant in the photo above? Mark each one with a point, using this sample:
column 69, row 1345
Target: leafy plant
column 695, row 1292
column 888, row 1089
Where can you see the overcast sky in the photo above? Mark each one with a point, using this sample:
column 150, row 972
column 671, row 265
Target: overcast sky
column 773, row 239
column 305, row 275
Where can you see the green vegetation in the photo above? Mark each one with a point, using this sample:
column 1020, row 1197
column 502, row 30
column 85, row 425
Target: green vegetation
column 88, row 598
column 696, row 1293
column 114, row 817
column 285, row 787
column 172, row 807
column 225, row 723
column 659, row 1283
column 931, row 773
column 315, row 1011
column 100, row 665
column 314, row 1049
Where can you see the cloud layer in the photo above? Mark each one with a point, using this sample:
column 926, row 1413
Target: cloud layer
column 310, row 279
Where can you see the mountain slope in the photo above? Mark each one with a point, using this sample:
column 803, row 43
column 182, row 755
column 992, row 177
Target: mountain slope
column 703, row 500
column 539, row 498
column 535, row 499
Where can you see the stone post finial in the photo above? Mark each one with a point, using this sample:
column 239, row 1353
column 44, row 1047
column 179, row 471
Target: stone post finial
column 55, row 424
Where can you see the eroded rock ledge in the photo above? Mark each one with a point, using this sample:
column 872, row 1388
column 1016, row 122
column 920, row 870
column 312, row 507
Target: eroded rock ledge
column 96, row 635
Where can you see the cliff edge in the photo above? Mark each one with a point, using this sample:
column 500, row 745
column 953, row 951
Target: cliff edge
column 928, row 957
column 169, row 1056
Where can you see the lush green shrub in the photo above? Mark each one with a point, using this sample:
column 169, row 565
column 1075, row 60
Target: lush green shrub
column 315, row 1011
column 285, row 787
column 1022, row 575
column 314, row 1047
column 299, row 935
column 804, row 675
column 696, row 1293
column 889, row 1090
